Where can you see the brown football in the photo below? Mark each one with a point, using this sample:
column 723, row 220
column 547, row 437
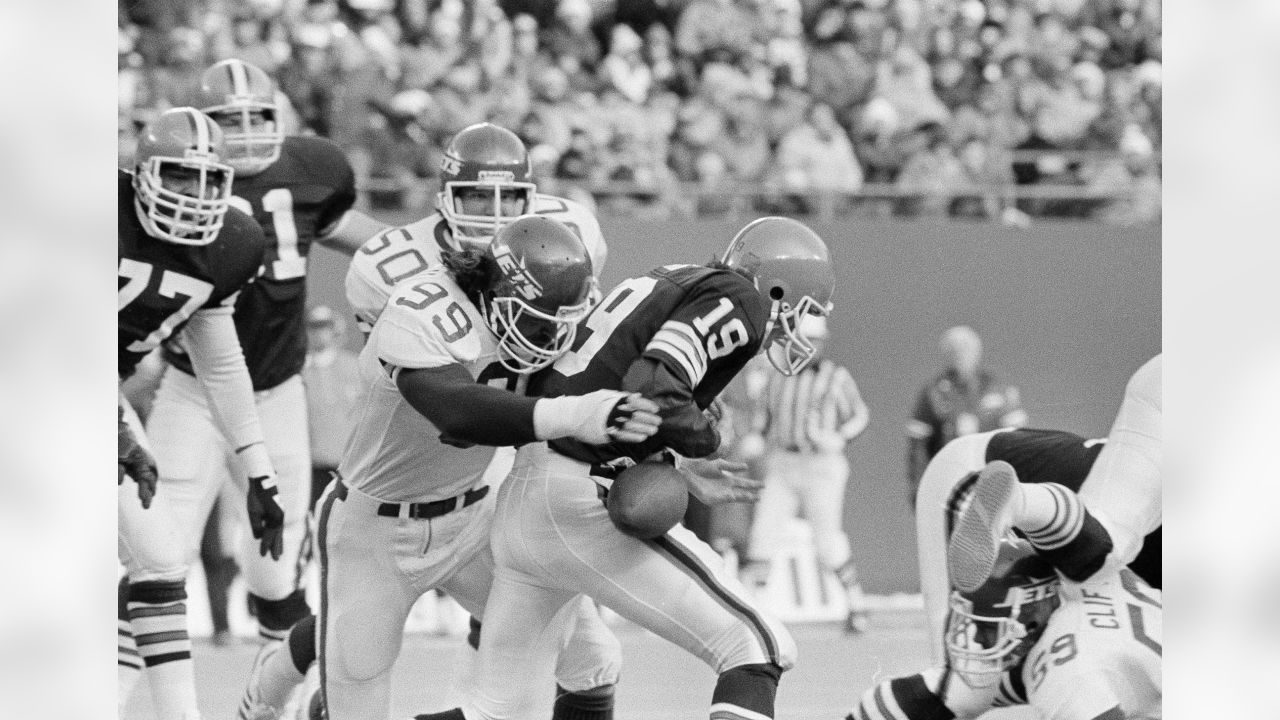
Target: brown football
column 647, row 499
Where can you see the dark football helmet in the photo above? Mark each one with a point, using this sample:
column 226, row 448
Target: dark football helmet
column 992, row 628
column 491, row 158
column 182, row 189
column 241, row 98
column 792, row 270
column 542, row 291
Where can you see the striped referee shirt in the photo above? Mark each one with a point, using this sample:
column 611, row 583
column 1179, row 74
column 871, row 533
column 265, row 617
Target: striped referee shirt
column 822, row 401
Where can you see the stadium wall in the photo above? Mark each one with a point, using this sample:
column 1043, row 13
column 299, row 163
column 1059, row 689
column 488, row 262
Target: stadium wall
column 1067, row 311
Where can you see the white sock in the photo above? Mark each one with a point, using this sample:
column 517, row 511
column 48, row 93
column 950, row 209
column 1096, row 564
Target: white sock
column 1050, row 514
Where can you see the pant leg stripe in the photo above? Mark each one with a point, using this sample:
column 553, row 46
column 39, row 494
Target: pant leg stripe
column 322, row 543
column 701, row 574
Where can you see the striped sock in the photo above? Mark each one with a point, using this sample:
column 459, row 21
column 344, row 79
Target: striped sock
column 276, row 617
column 158, row 614
column 128, row 661
column 128, row 665
column 1051, row 516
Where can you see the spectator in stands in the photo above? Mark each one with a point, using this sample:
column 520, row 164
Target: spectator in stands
column 816, row 162
column 708, row 26
column 905, row 81
column 659, row 54
column 493, row 35
column 306, row 77
column 786, row 50
column 932, row 174
column 624, row 68
column 427, row 62
column 255, row 41
column 177, row 81
column 742, row 143
column 838, row 73
column 570, row 36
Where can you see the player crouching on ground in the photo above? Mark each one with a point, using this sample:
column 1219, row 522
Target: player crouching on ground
column 410, row 511
column 677, row 335
column 1088, row 651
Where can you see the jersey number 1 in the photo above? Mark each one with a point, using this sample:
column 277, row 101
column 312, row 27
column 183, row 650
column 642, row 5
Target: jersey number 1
column 289, row 263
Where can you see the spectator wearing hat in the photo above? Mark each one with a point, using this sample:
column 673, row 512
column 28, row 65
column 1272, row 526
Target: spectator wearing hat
column 331, row 376
column 807, row 421
column 964, row 399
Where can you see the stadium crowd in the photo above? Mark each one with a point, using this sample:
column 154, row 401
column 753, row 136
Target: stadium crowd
column 908, row 107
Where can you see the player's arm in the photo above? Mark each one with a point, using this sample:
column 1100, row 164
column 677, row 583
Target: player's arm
column 1014, row 415
column 920, row 429
column 468, row 412
column 423, row 339
column 342, row 227
column 851, row 408
column 912, row 698
column 350, row 232
column 133, row 459
column 218, row 362
column 710, row 329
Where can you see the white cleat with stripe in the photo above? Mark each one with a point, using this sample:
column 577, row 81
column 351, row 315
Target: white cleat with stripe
column 972, row 549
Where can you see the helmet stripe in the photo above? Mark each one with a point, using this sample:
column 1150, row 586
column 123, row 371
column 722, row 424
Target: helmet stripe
column 202, row 131
column 239, row 78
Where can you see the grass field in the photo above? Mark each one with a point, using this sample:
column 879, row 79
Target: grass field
column 659, row 681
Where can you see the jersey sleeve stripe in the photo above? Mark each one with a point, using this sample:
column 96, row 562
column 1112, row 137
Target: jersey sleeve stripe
column 888, row 704
column 676, row 356
column 676, row 329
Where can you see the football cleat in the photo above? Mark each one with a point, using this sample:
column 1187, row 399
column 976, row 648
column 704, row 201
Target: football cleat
column 982, row 523
column 251, row 706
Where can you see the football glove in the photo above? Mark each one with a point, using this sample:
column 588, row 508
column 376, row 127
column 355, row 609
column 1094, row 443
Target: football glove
column 137, row 463
column 266, row 517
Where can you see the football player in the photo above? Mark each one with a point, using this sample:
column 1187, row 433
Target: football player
column 677, row 335
column 486, row 185
column 1119, row 503
column 300, row 190
column 1053, row 458
column 1072, row 651
column 408, row 512
column 184, row 256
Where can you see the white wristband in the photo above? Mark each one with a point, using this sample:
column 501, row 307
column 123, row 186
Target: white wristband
column 254, row 460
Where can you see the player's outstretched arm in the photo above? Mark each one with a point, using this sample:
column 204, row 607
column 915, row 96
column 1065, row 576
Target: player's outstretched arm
column 467, row 412
column 351, row 231
column 218, row 361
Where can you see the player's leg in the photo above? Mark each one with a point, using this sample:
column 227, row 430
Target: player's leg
column 587, row 666
column 676, row 585
column 822, row 498
column 153, row 548
column 778, row 504
column 929, row 695
column 945, row 484
column 1118, row 505
column 276, row 586
column 363, row 604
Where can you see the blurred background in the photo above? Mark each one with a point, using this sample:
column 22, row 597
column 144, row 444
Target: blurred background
column 1003, row 110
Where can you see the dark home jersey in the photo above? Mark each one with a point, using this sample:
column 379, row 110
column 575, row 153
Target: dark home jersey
column 162, row 283
column 307, row 190
column 1040, row 456
column 701, row 325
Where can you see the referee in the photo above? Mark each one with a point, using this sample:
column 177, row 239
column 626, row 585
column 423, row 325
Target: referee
column 806, row 420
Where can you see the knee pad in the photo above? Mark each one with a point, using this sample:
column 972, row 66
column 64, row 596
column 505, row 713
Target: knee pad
column 354, row 652
column 281, row 614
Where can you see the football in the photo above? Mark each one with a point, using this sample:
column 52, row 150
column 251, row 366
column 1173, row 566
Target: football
column 647, row 500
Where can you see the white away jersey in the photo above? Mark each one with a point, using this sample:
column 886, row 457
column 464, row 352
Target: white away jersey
column 394, row 453
column 399, row 253
column 1102, row 648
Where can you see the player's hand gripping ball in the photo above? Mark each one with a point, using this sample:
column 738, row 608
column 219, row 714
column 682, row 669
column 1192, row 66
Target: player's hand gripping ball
column 647, row 500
